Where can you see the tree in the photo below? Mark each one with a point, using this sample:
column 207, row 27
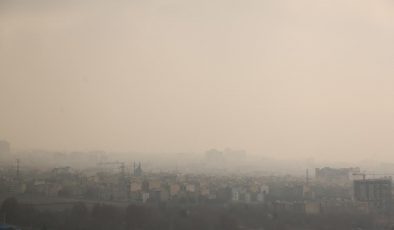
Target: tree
column 136, row 216
column 9, row 209
column 78, row 216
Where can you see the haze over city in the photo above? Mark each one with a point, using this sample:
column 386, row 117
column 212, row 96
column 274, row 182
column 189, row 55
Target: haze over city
column 196, row 114
column 282, row 79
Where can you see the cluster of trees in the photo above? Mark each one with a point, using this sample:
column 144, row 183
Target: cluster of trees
column 81, row 216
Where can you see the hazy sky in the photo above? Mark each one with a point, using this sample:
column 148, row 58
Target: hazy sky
column 276, row 78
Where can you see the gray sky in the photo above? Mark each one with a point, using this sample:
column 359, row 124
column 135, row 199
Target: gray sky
column 277, row 78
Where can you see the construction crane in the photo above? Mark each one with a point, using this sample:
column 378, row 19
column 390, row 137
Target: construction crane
column 359, row 174
column 364, row 174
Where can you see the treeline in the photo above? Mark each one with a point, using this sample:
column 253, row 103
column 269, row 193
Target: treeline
column 165, row 217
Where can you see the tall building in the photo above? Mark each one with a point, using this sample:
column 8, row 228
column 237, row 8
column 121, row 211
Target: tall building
column 4, row 147
column 375, row 192
column 335, row 175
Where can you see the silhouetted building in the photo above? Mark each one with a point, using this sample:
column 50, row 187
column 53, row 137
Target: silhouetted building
column 375, row 192
column 4, row 147
column 335, row 175
column 214, row 155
